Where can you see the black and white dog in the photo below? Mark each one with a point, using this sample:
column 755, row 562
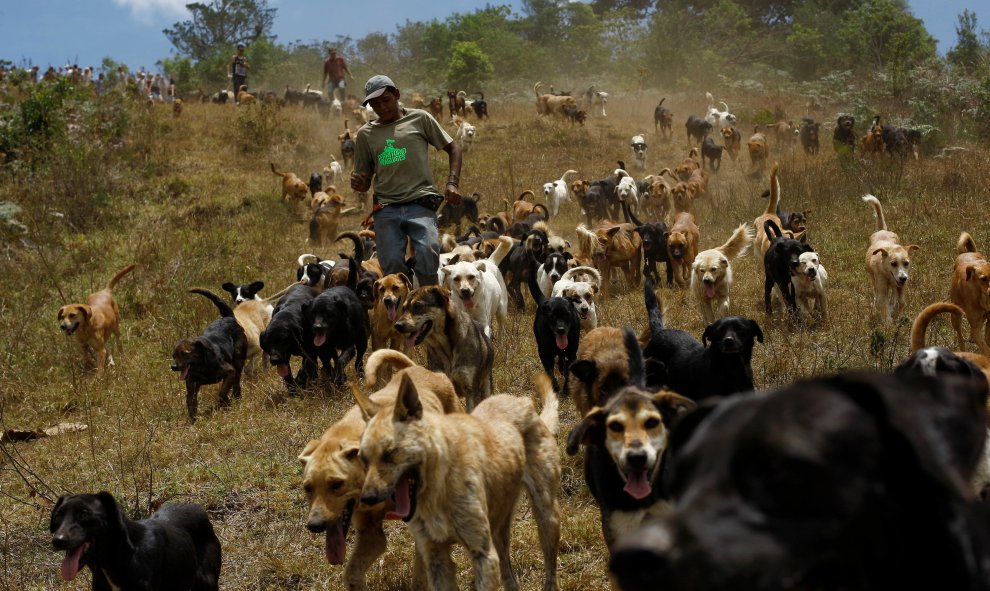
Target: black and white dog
column 639, row 151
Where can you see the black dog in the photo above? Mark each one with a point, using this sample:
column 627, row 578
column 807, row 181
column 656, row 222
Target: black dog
column 699, row 370
column 338, row 321
column 315, row 183
column 844, row 136
column 654, row 237
column 217, row 355
column 243, row 292
column 359, row 279
column 517, row 266
column 779, row 263
column 664, row 119
column 854, row 482
column 626, row 442
column 713, row 152
column 480, row 107
column 900, row 141
column 175, row 549
column 698, row 128
column 936, row 361
column 595, row 204
column 575, row 115
column 288, row 335
column 809, row 136
column 557, row 329
column 220, row 98
column 452, row 215
column 292, row 97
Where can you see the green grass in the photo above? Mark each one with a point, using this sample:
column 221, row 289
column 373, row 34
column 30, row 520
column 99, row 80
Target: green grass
column 195, row 204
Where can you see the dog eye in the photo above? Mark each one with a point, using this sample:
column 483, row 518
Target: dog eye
column 308, row 489
column 388, row 455
column 652, row 423
column 616, row 427
column 336, row 484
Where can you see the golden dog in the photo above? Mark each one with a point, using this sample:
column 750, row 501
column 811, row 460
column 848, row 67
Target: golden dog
column 243, row 96
column 522, row 208
column 711, row 279
column 333, row 474
column 686, row 168
column 682, row 247
column 971, row 292
column 732, row 140
column 457, row 479
column 762, row 243
column 292, row 186
column 887, row 265
column 872, row 142
column 391, row 292
column 326, row 218
column 758, row 150
column 549, row 104
column 617, row 246
column 94, row 322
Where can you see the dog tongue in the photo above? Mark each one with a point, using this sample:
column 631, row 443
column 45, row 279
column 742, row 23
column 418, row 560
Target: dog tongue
column 637, row 486
column 468, row 303
column 710, row 291
column 336, row 546
column 411, row 339
column 282, row 369
column 185, row 373
column 70, row 564
column 319, row 339
column 391, row 313
column 562, row 341
column 403, row 502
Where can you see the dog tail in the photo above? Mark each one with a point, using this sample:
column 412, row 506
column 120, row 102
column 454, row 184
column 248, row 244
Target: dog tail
column 774, row 200
column 629, row 215
column 654, row 309
column 546, row 212
column 358, row 244
column 505, row 245
column 314, row 227
column 661, row 101
column 496, row 223
column 395, row 359
column 693, row 153
column 772, row 230
column 877, row 210
column 549, row 401
column 225, row 310
column 125, row 271
column 965, row 244
column 536, row 89
column 281, row 174
column 522, row 196
column 738, row 243
column 920, row 325
column 505, row 202
column 564, row 176
column 276, row 296
column 305, row 259
column 711, row 99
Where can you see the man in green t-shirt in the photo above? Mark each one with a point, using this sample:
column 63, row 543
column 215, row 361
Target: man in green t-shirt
column 394, row 150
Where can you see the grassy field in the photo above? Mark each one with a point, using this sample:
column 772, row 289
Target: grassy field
column 197, row 206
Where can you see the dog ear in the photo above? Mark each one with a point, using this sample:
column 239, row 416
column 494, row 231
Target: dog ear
column 369, row 407
column 912, row 247
column 378, row 289
column 672, row 406
column 350, row 452
column 406, row 280
column 229, row 288
column 587, row 432
column 881, row 251
column 115, row 518
column 756, row 330
column 709, row 333
column 480, row 265
column 54, row 524
column 408, row 406
column 307, row 453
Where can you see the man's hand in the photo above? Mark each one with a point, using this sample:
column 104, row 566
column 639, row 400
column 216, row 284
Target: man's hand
column 360, row 182
column 452, row 194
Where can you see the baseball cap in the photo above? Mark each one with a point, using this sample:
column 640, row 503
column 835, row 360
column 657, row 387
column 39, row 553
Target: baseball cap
column 375, row 86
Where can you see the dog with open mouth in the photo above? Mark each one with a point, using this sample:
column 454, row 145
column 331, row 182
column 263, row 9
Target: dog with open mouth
column 580, row 286
column 176, row 548
column 458, row 478
column 94, row 322
column 333, row 473
column 391, row 292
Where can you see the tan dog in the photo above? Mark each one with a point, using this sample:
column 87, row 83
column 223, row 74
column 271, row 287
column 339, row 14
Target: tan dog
column 94, row 322
column 971, row 292
column 762, row 243
column 618, row 246
column 658, row 202
column 887, row 265
column 758, row 150
column 549, row 104
column 244, row 97
column 333, row 474
column 323, row 225
column 391, row 292
column 417, row 101
column 732, row 140
column 457, row 479
column 690, row 164
column 177, row 107
column 682, row 247
column 600, row 369
column 711, row 279
column 292, row 186
column 872, row 142
column 254, row 316
column 522, row 208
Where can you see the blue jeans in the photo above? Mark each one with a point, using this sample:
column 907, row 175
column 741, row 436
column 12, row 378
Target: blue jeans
column 393, row 224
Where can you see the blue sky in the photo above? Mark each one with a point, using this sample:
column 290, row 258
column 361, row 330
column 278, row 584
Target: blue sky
column 57, row 32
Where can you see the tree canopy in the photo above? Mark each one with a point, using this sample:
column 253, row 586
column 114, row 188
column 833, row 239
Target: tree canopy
column 220, row 24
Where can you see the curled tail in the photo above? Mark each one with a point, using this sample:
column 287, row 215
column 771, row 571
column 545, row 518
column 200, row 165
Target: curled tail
column 566, row 174
column 550, row 415
column 739, row 242
column 772, row 225
column 221, row 305
column 711, row 99
column 920, row 325
column 395, row 359
column 281, row 174
column 774, row 200
column 502, row 250
column 693, row 153
column 522, row 196
column 540, row 206
column 120, row 274
column 965, row 244
column 358, row 244
column 877, row 210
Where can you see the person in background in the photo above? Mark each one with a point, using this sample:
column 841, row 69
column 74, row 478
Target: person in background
column 334, row 69
column 237, row 69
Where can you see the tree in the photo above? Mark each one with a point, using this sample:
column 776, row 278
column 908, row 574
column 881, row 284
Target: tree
column 469, row 66
column 968, row 52
column 220, row 24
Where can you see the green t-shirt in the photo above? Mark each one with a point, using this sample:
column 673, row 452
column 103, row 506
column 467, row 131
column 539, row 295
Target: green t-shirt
column 397, row 155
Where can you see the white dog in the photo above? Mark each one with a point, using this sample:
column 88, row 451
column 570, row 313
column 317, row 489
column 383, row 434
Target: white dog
column 639, row 151
column 719, row 119
column 465, row 134
column 711, row 276
column 595, row 98
column 557, row 191
column 580, row 285
column 478, row 287
column 627, row 190
column 334, row 173
column 809, row 280
column 336, row 108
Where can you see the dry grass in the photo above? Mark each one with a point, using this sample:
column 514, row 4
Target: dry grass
column 209, row 212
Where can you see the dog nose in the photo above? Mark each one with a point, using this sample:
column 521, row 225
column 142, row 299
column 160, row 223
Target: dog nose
column 372, row 497
column 812, row 273
column 316, row 525
column 60, row 542
column 636, row 459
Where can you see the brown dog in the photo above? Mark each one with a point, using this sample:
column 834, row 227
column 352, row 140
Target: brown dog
column 762, row 242
column 391, row 292
column 522, row 208
column 323, row 225
column 94, row 322
column 617, row 246
column 600, row 369
column 686, row 168
column 243, row 96
column 758, row 150
column 549, row 104
column 292, row 186
column 333, row 474
column 436, row 108
column 682, row 247
column 872, row 142
column 732, row 140
column 971, row 292
column 887, row 265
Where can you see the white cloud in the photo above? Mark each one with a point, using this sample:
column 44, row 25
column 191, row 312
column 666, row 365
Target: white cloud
column 145, row 10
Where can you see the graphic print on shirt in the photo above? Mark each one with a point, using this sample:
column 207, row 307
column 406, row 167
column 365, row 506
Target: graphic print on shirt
column 391, row 154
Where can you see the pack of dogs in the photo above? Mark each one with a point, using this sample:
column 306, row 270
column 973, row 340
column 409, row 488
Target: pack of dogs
column 854, row 481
